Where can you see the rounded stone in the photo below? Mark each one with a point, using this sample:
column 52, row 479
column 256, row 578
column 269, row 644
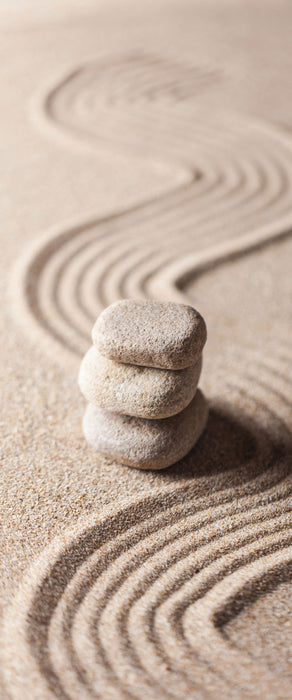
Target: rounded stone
column 145, row 392
column 142, row 443
column 150, row 333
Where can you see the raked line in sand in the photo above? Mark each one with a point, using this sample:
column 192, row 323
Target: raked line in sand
column 236, row 196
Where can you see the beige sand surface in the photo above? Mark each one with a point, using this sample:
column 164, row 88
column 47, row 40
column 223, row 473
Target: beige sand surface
column 147, row 152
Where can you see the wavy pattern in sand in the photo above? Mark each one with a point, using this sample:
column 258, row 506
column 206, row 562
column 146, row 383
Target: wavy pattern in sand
column 133, row 603
column 236, row 196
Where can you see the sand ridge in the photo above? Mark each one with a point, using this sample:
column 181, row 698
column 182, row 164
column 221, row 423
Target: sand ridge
column 237, row 196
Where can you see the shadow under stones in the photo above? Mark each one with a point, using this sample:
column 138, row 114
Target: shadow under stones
column 231, row 443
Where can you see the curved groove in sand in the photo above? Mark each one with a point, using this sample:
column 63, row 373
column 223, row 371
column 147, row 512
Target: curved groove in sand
column 233, row 195
column 136, row 572
column 85, row 268
column 182, row 544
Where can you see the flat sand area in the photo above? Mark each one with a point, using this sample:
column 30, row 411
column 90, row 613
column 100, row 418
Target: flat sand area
column 146, row 152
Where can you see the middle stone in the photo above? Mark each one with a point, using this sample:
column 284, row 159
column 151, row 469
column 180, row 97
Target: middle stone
column 144, row 392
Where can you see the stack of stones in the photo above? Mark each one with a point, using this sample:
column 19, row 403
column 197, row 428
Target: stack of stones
column 140, row 377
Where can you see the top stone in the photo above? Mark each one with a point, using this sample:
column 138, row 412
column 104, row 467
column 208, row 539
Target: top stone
column 150, row 333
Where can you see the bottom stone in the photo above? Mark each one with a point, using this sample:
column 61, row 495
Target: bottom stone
column 142, row 443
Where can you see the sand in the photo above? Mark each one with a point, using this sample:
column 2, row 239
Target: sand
column 147, row 152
